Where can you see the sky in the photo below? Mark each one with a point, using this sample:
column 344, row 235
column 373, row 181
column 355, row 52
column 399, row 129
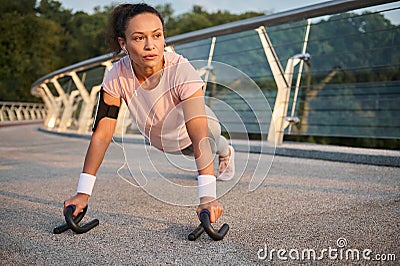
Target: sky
column 181, row 6
column 233, row 6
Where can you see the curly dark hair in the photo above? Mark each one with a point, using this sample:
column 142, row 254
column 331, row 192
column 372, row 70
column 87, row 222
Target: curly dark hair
column 119, row 19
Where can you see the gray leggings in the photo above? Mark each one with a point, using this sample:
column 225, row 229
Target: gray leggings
column 218, row 143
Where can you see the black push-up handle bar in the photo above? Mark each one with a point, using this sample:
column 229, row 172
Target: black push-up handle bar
column 72, row 223
column 207, row 227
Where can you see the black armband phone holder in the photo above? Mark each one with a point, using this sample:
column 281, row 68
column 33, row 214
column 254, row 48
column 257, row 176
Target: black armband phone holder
column 104, row 110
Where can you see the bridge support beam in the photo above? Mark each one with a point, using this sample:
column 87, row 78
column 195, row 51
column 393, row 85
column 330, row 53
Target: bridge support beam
column 283, row 80
column 53, row 106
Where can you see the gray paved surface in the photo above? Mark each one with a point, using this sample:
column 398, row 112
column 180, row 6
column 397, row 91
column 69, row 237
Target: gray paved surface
column 302, row 204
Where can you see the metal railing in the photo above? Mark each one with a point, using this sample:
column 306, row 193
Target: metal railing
column 69, row 93
column 20, row 111
column 303, row 13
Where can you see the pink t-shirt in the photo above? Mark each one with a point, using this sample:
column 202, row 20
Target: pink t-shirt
column 157, row 111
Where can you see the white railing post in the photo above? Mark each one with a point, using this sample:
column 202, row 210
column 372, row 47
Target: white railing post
column 2, row 113
column 296, row 90
column 209, row 61
column 276, row 129
column 87, row 105
column 11, row 113
column 51, row 104
column 283, row 80
column 68, row 102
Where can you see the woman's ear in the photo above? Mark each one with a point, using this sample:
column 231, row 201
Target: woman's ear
column 122, row 44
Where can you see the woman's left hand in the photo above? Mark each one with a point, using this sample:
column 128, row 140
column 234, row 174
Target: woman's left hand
column 213, row 206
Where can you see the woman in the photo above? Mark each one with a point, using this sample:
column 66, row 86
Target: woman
column 164, row 95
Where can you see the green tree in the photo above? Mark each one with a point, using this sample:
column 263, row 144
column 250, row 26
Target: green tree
column 166, row 11
column 198, row 18
column 53, row 10
column 87, row 36
column 28, row 49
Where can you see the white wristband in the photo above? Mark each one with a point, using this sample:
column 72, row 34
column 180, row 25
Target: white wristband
column 207, row 186
column 86, row 183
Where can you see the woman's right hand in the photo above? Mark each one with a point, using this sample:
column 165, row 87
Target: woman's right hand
column 80, row 201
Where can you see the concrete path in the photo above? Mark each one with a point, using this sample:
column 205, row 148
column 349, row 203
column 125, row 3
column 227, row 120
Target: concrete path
column 339, row 210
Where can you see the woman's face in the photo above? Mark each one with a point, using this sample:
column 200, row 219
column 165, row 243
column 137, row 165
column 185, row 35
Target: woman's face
column 145, row 41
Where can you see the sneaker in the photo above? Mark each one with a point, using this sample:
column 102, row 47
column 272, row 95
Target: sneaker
column 226, row 167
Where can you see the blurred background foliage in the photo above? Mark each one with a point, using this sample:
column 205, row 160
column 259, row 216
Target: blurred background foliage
column 40, row 37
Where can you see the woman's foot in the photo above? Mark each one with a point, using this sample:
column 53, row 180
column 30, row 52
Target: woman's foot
column 226, row 167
